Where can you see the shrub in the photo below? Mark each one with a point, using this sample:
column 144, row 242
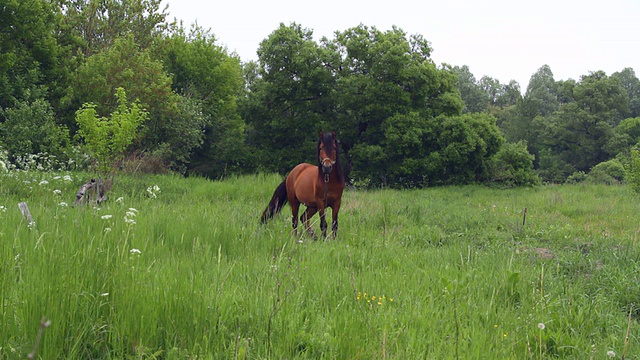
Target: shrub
column 512, row 166
column 107, row 139
column 609, row 172
column 633, row 173
column 30, row 128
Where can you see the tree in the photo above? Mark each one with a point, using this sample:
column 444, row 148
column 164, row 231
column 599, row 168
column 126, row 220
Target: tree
column 30, row 128
column 32, row 63
column 107, row 138
column 290, row 100
column 381, row 75
column 174, row 127
column 475, row 98
column 512, row 166
column 95, row 25
column 628, row 80
column 579, row 131
column 210, row 80
column 418, row 151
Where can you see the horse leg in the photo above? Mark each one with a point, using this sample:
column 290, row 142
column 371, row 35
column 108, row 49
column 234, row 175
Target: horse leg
column 295, row 208
column 334, row 215
column 306, row 219
column 323, row 222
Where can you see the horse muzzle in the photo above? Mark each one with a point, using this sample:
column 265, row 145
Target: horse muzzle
column 327, row 165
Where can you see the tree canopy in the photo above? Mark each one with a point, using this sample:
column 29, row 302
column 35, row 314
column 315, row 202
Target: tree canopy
column 402, row 119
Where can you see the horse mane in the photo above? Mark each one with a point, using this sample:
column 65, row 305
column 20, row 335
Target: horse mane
column 327, row 140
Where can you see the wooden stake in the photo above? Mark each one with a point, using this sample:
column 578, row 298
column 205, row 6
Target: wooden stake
column 26, row 214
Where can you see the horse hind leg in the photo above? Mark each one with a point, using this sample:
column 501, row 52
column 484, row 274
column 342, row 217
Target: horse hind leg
column 295, row 208
column 306, row 220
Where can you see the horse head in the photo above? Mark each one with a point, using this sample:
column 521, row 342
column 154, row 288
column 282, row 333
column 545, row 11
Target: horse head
column 327, row 151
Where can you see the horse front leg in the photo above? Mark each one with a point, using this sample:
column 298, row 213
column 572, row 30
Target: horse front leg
column 323, row 222
column 334, row 215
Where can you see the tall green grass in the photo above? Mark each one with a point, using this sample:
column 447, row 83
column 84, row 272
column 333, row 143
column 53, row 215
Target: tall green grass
column 441, row 273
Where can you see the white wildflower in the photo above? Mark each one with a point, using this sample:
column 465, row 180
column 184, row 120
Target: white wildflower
column 129, row 221
column 63, row 204
column 135, row 251
column 104, row 294
column 3, row 209
column 132, row 209
column 57, row 192
column 611, row 353
column 130, row 214
column 43, row 182
column 67, row 178
column 153, row 191
column 119, row 200
column 541, row 326
column 106, row 217
column 107, row 229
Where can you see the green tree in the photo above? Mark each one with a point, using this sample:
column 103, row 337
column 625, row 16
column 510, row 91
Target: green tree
column 418, row 151
column 580, row 130
column 32, row 63
column 107, row 138
column 175, row 124
column 628, row 80
column 512, row 166
column 290, row 100
column 381, row 75
column 209, row 79
column 95, row 25
column 475, row 98
column 30, row 128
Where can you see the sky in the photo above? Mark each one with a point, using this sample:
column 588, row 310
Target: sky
column 504, row 39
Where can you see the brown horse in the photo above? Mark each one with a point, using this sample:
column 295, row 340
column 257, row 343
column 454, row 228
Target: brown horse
column 318, row 187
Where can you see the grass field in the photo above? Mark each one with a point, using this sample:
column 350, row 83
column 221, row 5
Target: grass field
column 185, row 271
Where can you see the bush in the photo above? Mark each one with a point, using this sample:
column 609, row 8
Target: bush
column 577, row 177
column 512, row 166
column 610, row 172
column 633, row 173
column 30, row 128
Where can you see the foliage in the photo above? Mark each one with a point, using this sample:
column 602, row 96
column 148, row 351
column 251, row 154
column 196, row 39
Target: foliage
column 421, row 152
column 609, row 172
column 107, row 139
column 633, row 172
column 474, row 97
column 552, row 168
column 95, row 25
column 291, row 100
column 631, row 84
column 30, row 128
column 32, row 63
column 209, row 81
column 512, row 166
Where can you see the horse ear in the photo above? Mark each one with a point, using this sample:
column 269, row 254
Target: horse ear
column 321, row 134
column 333, row 133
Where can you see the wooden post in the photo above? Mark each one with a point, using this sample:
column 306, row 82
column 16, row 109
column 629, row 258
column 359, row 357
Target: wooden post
column 26, row 214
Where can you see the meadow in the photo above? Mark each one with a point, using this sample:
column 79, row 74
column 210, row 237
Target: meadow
column 180, row 268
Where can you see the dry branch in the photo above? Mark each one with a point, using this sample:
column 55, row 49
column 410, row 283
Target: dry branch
column 94, row 190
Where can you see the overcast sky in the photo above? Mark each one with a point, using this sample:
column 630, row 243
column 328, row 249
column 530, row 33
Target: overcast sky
column 504, row 39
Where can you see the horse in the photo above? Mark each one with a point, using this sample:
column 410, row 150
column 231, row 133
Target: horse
column 318, row 187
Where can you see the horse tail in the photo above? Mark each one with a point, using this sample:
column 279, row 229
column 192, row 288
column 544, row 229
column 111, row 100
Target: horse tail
column 278, row 200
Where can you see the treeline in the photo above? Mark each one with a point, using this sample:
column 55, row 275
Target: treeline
column 403, row 121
